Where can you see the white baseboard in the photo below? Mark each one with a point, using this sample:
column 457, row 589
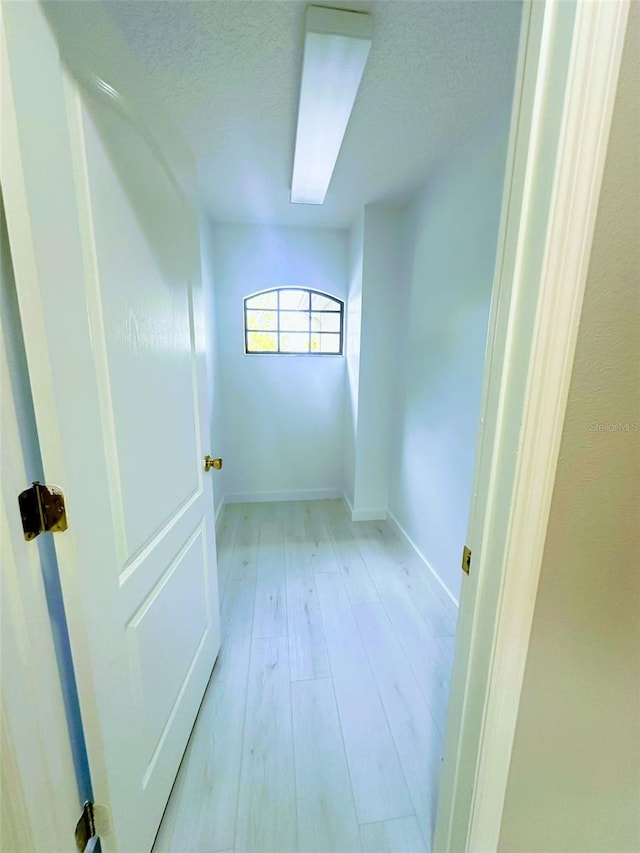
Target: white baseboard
column 402, row 533
column 364, row 514
column 264, row 497
column 219, row 508
column 368, row 515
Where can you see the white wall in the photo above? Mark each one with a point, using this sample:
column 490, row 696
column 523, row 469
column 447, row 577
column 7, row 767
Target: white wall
column 451, row 240
column 283, row 416
column 574, row 781
column 380, row 331
column 353, row 310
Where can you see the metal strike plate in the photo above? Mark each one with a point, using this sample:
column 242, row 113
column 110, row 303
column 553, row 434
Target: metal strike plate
column 42, row 510
column 466, row 560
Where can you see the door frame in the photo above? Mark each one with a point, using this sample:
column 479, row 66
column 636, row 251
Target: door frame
column 566, row 83
column 40, row 797
column 482, row 725
column 37, row 780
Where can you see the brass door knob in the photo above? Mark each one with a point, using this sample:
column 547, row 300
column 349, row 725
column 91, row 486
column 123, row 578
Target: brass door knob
column 210, row 463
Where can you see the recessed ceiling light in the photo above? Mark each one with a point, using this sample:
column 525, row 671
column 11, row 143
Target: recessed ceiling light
column 336, row 48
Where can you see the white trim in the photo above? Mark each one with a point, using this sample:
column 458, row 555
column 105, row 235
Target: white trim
column 402, row 533
column 348, row 503
column 552, row 189
column 368, row 515
column 301, row 495
column 364, row 514
column 40, row 800
column 599, row 32
column 219, row 507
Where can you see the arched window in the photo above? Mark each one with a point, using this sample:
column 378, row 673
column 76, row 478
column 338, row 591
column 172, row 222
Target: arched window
column 293, row 320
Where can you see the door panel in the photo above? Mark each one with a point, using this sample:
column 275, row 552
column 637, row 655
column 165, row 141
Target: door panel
column 107, row 272
column 145, row 320
column 164, row 644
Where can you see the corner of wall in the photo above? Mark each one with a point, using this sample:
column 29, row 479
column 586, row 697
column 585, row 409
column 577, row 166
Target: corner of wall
column 381, row 329
column 353, row 317
column 214, row 438
column 402, row 533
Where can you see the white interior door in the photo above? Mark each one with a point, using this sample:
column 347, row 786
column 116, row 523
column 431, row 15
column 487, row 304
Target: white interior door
column 37, row 780
column 104, row 241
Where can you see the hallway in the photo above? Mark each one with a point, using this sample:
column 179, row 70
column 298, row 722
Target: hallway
column 322, row 726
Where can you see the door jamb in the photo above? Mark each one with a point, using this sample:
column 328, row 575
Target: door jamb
column 543, row 253
column 40, row 797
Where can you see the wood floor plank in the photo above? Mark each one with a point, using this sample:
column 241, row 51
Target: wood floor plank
column 435, row 604
column 225, row 537
column 316, row 534
column 368, row 538
column 379, row 788
column 352, row 567
column 237, row 608
column 269, row 511
column 266, row 817
column 201, row 810
column 307, row 645
column 270, row 615
column 431, row 668
column 416, row 737
column 447, row 646
column 326, row 813
column 362, row 645
column 393, row 836
column 200, row 815
column 244, row 555
column 292, row 519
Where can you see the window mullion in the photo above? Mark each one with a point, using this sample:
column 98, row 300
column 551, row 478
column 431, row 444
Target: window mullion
column 326, row 302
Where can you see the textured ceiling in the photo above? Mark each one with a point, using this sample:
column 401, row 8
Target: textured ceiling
column 229, row 70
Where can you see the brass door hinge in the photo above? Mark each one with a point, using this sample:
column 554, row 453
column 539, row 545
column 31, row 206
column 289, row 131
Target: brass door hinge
column 466, row 560
column 94, row 820
column 42, row 510
column 86, row 827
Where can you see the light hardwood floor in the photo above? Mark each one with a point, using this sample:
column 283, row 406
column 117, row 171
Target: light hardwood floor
column 321, row 728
